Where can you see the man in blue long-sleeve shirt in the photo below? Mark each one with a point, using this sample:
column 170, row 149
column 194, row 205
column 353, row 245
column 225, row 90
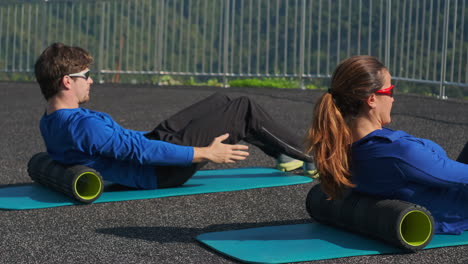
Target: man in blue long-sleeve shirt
column 165, row 157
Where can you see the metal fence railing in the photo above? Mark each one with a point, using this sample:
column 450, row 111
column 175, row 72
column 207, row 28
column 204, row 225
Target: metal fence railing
column 421, row 41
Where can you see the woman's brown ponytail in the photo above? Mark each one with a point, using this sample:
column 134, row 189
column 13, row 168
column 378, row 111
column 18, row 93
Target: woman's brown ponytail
column 330, row 138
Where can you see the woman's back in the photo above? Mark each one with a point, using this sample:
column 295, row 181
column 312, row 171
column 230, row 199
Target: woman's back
column 394, row 164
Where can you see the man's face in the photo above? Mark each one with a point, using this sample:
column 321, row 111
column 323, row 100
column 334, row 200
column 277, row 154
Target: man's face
column 81, row 85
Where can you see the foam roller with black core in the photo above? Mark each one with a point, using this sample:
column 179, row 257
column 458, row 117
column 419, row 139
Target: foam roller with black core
column 399, row 223
column 77, row 181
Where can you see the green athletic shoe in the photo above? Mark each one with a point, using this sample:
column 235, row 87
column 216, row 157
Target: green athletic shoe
column 310, row 170
column 286, row 163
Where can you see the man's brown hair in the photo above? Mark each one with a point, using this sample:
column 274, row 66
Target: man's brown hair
column 56, row 61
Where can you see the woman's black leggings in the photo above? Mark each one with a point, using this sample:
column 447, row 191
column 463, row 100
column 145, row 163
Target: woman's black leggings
column 198, row 124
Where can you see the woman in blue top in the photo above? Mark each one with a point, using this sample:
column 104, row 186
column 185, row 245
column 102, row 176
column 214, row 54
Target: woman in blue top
column 352, row 148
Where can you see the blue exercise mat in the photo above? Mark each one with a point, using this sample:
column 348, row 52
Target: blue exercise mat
column 304, row 242
column 35, row 196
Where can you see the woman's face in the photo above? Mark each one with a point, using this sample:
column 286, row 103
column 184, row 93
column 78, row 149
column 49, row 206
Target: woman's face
column 385, row 99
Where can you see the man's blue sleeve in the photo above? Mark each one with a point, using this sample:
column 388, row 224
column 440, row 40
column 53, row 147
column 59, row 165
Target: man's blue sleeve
column 98, row 137
column 427, row 163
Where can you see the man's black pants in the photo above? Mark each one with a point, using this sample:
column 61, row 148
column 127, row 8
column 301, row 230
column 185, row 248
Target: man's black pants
column 198, row 124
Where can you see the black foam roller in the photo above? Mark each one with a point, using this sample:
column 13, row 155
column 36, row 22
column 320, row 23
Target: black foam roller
column 399, row 223
column 77, row 181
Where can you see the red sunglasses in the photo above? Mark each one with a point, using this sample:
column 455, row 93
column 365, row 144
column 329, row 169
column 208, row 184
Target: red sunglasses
column 386, row 91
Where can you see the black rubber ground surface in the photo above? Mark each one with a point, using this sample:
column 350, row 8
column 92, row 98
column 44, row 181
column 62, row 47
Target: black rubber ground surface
column 164, row 230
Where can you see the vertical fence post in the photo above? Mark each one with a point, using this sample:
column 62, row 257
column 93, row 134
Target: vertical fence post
column 160, row 43
column 1, row 28
column 20, row 66
column 13, row 53
column 461, row 44
column 241, row 36
column 158, row 40
column 301, row 48
column 259, row 30
column 286, row 29
column 44, row 26
column 101, row 43
column 157, row 69
column 338, row 42
column 327, row 69
column 7, row 36
column 267, row 41
column 226, row 43
column 388, row 33
column 444, row 52
column 454, row 41
column 189, row 29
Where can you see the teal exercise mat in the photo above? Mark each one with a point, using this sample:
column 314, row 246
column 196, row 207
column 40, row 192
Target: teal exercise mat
column 304, row 242
column 35, row 196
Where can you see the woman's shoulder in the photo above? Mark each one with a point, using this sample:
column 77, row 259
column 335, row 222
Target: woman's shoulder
column 390, row 134
column 382, row 136
column 386, row 143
